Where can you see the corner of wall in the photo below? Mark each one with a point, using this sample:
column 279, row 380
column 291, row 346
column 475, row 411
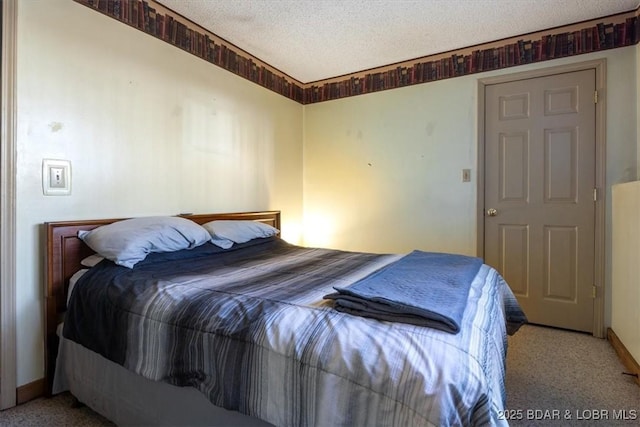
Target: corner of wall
column 637, row 73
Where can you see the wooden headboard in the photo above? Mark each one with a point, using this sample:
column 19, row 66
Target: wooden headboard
column 65, row 250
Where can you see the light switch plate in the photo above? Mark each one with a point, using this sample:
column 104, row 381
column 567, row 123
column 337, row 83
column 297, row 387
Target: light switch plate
column 56, row 177
column 466, row 175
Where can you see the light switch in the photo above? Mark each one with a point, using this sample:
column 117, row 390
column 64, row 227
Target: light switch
column 56, row 177
column 466, row 175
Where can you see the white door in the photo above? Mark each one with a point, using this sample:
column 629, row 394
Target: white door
column 539, row 194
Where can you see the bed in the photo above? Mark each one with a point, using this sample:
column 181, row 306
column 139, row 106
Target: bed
column 268, row 346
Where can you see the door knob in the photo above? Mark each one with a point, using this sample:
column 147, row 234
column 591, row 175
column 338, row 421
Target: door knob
column 492, row 212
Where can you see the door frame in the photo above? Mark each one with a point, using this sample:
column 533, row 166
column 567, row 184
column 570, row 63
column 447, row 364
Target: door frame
column 8, row 152
column 600, row 66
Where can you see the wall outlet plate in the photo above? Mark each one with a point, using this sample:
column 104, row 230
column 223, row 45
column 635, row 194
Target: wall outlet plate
column 56, row 177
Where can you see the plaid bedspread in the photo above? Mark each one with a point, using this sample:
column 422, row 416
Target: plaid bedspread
column 249, row 329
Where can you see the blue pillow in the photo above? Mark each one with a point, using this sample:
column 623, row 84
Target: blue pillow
column 129, row 241
column 224, row 233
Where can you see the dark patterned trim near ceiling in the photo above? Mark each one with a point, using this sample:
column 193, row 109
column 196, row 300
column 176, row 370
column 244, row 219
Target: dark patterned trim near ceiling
column 617, row 31
column 592, row 36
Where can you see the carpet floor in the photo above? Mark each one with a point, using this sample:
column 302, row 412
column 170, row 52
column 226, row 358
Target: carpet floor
column 554, row 378
column 560, row 378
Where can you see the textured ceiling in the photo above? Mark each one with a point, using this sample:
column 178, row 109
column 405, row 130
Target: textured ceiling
column 313, row 40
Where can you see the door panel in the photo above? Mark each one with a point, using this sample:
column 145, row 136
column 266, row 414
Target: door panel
column 514, row 248
column 514, row 167
column 560, row 278
column 539, row 178
column 561, row 173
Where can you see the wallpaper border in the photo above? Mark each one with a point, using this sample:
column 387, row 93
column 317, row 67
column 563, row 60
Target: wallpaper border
column 590, row 36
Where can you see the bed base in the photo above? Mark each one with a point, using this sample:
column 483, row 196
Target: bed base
column 128, row 399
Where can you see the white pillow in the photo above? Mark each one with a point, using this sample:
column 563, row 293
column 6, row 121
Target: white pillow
column 225, row 233
column 129, row 241
column 91, row 260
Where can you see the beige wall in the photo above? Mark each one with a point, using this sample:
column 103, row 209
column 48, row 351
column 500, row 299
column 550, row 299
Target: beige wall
column 382, row 172
column 148, row 129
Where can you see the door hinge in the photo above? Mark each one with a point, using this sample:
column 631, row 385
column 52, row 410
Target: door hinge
column 594, row 292
column 595, row 97
column 595, row 194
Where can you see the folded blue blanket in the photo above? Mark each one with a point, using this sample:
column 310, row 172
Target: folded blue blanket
column 422, row 288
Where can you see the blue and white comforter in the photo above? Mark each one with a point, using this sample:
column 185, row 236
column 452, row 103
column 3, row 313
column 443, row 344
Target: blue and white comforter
column 249, row 328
